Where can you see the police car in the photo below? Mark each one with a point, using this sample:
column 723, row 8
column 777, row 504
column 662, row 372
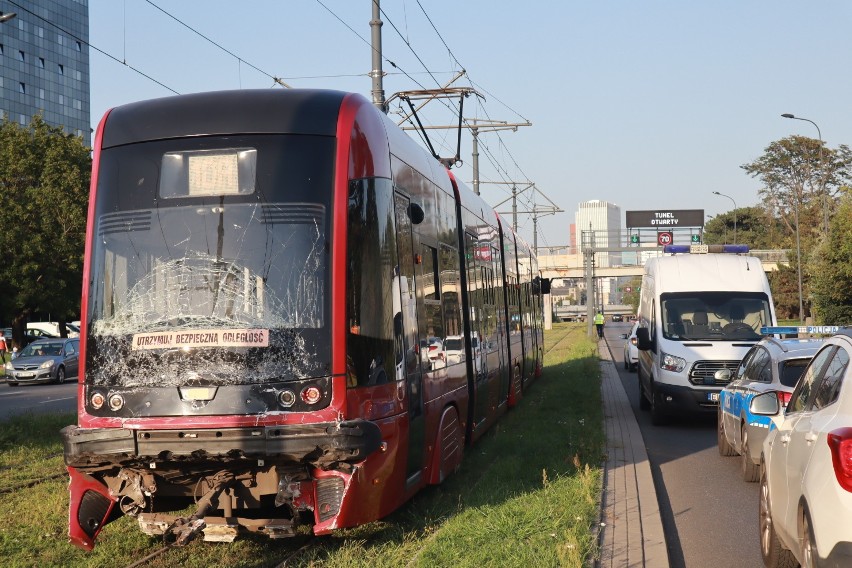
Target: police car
column 771, row 365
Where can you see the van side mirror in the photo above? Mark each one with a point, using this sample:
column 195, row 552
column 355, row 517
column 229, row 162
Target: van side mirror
column 643, row 339
column 765, row 404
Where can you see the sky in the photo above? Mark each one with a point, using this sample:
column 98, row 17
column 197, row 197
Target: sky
column 649, row 105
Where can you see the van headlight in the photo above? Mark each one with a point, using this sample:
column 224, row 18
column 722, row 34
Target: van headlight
column 671, row 362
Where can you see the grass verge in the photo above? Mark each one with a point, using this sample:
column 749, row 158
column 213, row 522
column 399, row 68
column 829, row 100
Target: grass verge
column 526, row 495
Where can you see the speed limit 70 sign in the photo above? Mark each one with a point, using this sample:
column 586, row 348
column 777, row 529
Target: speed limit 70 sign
column 665, row 238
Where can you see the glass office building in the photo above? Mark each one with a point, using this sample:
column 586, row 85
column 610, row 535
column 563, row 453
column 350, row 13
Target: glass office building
column 44, row 64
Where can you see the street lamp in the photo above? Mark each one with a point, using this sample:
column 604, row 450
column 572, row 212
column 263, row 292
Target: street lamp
column 6, row 17
column 824, row 172
column 798, row 259
column 735, row 212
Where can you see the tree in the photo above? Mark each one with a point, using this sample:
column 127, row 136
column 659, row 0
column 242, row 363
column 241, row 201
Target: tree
column 797, row 172
column 44, row 183
column 801, row 178
column 755, row 227
column 632, row 297
column 831, row 270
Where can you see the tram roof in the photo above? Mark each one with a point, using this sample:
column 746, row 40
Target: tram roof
column 255, row 111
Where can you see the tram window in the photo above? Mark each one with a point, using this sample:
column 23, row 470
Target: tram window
column 449, row 265
column 429, row 274
column 370, row 278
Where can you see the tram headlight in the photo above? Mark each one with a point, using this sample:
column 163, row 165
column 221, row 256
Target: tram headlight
column 286, row 398
column 97, row 400
column 116, row 402
column 311, row 395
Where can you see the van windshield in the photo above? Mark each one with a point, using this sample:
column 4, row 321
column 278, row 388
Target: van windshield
column 714, row 316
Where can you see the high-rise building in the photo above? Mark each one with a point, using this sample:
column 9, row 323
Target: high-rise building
column 599, row 225
column 44, row 64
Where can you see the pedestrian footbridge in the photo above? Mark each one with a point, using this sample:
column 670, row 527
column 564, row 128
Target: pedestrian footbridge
column 560, row 262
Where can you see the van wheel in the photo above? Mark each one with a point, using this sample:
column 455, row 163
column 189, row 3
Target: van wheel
column 659, row 417
column 643, row 401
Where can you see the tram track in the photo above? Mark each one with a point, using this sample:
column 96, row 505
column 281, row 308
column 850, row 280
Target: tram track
column 31, row 483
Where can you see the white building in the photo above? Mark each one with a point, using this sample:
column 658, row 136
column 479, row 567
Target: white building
column 598, row 224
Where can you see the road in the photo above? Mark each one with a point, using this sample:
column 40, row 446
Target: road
column 37, row 398
column 710, row 515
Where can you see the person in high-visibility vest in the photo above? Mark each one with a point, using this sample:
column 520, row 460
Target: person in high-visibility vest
column 599, row 323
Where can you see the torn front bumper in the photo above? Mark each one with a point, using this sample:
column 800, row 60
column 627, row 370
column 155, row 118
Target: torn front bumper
column 95, row 456
column 320, row 445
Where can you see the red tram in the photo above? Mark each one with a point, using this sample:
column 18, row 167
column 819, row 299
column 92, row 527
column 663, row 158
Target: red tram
column 264, row 273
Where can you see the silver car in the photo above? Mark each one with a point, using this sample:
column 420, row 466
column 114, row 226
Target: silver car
column 45, row 360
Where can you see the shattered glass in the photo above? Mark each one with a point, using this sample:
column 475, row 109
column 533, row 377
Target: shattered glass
column 218, row 290
column 241, row 267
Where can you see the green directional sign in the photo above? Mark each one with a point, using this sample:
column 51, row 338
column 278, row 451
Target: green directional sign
column 634, row 239
column 696, row 238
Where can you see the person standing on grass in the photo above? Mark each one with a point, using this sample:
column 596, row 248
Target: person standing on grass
column 599, row 323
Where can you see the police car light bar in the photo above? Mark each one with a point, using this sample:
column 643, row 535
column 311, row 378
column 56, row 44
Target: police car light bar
column 795, row 330
column 704, row 249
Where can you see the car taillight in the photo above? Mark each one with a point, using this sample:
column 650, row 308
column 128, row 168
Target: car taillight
column 433, row 348
column 840, row 443
column 784, row 397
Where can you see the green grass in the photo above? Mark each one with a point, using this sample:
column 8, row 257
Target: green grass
column 526, row 495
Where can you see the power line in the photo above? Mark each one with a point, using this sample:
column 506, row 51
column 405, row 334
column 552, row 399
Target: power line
column 232, row 54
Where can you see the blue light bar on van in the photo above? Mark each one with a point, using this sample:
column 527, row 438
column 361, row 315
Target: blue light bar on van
column 704, row 249
column 795, row 330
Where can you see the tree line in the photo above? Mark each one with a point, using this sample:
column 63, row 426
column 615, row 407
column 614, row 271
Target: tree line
column 44, row 194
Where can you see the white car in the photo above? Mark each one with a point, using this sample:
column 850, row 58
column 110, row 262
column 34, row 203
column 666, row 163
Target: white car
column 631, row 352
column 806, row 465
column 51, row 329
column 454, row 349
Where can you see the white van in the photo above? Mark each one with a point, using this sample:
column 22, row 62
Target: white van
column 700, row 311
column 51, row 329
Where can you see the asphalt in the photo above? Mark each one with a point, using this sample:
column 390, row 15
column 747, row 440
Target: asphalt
column 631, row 532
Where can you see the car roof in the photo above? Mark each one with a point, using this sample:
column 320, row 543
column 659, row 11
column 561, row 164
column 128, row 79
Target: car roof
column 791, row 348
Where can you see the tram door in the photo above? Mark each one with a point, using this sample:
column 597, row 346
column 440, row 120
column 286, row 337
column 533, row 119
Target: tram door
column 410, row 341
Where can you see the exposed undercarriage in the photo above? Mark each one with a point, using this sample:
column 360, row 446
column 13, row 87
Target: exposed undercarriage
column 256, row 479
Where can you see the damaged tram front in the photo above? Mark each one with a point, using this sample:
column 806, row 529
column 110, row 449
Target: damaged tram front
column 208, row 373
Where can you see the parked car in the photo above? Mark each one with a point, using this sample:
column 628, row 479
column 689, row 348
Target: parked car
column 771, row 365
column 806, row 465
column 29, row 337
column 631, row 352
column 51, row 329
column 432, row 352
column 44, row 360
column 454, row 349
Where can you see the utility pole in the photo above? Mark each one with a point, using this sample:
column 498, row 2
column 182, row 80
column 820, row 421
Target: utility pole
column 377, row 74
column 550, row 209
column 487, row 126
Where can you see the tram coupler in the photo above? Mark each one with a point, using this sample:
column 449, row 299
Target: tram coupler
column 184, row 529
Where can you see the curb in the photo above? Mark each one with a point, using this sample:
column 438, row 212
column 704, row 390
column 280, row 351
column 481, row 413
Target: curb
column 631, row 529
